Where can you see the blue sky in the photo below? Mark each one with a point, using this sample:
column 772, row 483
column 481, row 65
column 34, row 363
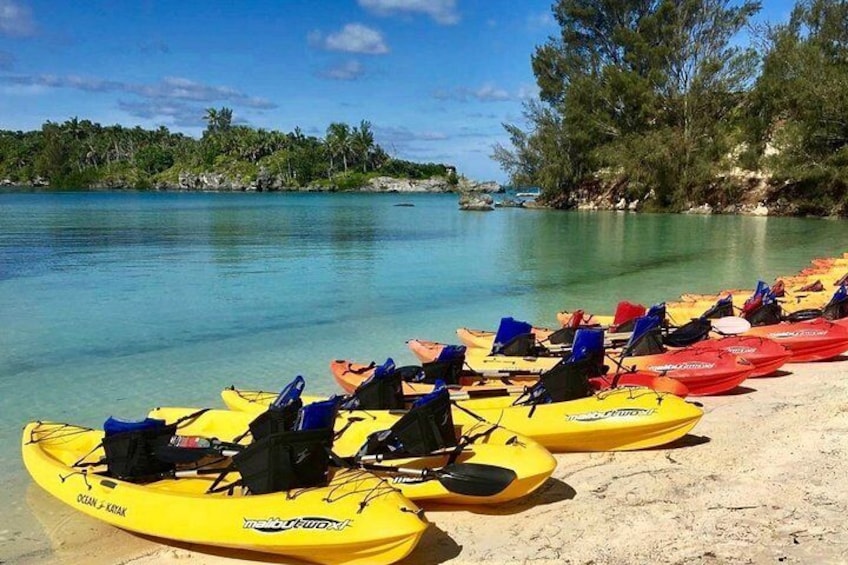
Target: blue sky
column 435, row 77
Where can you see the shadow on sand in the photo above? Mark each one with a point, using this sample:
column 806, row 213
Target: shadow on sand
column 552, row 491
column 738, row 391
column 689, row 440
column 435, row 547
column 777, row 374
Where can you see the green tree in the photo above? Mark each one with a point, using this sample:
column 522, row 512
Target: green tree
column 627, row 80
column 799, row 106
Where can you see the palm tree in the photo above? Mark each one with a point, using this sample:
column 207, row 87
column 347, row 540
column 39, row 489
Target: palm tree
column 338, row 141
column 363, row 142
column 211, row 118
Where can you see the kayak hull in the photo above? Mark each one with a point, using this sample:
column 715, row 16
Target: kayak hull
column 766, row 355
column 811, row 340
column 621, row 419
column 704, row 372
column 178, row 509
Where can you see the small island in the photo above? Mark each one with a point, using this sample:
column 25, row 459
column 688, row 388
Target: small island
column 228, row 157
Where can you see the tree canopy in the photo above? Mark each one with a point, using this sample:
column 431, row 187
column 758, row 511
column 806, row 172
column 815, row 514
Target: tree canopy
column 661, row 97
column 82, row 154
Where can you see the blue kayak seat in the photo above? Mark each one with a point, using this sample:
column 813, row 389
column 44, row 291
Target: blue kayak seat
column 131, row 448
column 282, row 413
column 646, row 338
column 588, row 344
column 290, row 393
column 383, row 390
column 514, row 338
column 447, row 367
column 319, row 415
column 837, row 307
column 425, row 428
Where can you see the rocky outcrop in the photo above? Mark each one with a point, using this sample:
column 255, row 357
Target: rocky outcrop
column 267, row 182
column 390, row 184
column 509, row 203
column 489, row 187
column 217, row 182
column 478, row 202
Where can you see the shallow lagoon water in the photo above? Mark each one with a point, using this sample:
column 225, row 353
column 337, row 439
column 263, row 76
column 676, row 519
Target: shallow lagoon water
column 112, row 303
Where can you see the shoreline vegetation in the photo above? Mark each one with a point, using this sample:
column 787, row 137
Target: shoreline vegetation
column 81, row 154
column 693, row 106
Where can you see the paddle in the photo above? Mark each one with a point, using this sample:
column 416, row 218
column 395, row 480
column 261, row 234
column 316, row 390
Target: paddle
column 470, row 479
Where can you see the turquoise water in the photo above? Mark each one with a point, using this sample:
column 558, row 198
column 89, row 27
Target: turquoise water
column 112, row 303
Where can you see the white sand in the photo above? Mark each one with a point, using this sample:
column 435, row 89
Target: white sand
column 764, row 479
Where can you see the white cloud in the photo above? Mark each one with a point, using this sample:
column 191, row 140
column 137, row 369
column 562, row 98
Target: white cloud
column 353, row 38
column 542, row 20
column 15, row 19
column 490, row 93
column 169, row 88
column 485, row 93
column 349, row 70
column 442, row 11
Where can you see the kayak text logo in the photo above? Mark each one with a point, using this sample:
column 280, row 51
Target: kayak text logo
column 276, row 525
column 617, row 413
column 689, row 366
column 739, row 349
column 798, row 333
column 111, row 508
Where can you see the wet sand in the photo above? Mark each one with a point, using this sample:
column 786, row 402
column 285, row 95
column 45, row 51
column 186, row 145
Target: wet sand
column 762, row 479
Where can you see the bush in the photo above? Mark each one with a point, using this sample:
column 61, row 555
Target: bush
column 350, row 181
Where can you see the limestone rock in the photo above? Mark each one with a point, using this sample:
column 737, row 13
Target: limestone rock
column 476, row 202
column 703, row 209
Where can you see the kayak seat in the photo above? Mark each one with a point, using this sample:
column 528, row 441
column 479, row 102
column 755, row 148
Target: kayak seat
column 569, row 380
column 425, row 428
column 837, row 308
column 131, row 449
column 285, row 460
column 814, row 287
column 275, row 419
column 523, row 345
column 721, row 309
column 626, row 314
column 764, row 315
column 689, row 333
column 446, row 368
column 512, row 333
column 646, row 338
column 563, row 336
column 383, row 391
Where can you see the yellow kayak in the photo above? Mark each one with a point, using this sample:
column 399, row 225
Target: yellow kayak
column 356, row 519
column 615, row 420
column 532, row 463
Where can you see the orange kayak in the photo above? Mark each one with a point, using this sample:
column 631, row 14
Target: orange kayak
column 350, row 375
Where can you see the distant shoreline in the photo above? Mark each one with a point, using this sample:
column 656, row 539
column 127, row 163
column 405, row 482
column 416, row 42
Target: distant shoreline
column 218, row 183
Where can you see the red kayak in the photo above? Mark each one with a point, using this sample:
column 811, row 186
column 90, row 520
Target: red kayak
column 810, row 340
column 766, row 355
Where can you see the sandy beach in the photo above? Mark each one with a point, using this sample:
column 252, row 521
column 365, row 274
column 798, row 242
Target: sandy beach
column 761, row 480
